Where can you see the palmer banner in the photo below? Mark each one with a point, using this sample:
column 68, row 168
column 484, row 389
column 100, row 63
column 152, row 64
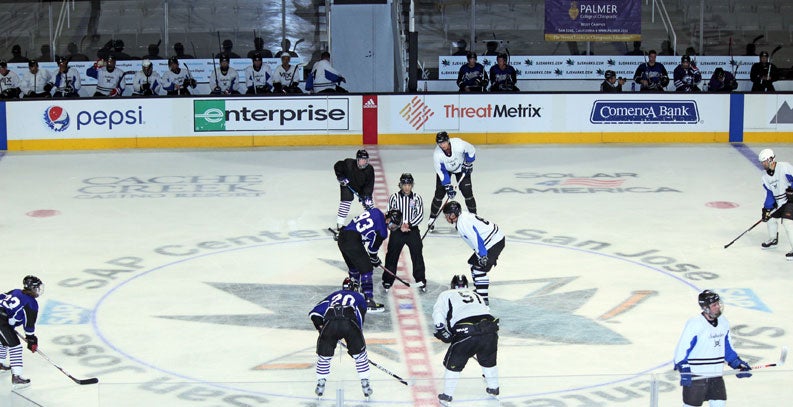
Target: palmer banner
column 593, row 20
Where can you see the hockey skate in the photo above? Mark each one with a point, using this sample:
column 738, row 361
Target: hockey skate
column 492, row 392
column 770, row 243
column 789, row 256
column 386, row 287
column 320, row 390
column 19, row 382
column 374, row 307
column 445, row 399
column 422, row 286
column 4, row 368
column 366, row 388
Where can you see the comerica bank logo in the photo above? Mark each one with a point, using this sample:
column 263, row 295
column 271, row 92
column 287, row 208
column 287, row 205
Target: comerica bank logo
column 271, row 114
column 56, row 118
column 644, row 112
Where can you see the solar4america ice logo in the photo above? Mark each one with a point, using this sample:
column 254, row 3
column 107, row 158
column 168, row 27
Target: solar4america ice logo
column 56, row 118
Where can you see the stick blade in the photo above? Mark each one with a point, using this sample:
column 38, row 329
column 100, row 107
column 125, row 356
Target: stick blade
column 92, row 380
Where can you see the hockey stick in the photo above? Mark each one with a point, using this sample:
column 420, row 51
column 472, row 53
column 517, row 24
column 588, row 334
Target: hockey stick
column 294, row 47
column 751, row 227
column 92, row 380
column 386, row 371
column 781, row 362
column 395, row 276
column 778, row 47
column 432, row 223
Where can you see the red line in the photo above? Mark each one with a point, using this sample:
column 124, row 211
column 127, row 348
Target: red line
column 412, row 333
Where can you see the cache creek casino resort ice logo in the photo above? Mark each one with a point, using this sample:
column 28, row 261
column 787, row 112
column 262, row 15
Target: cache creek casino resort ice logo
column 56, row 118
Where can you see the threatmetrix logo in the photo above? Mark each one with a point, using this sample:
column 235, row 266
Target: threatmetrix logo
column 209, row 115
column 644, row 112
column 56, row 118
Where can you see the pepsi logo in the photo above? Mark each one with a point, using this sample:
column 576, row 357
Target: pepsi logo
column 56, row 118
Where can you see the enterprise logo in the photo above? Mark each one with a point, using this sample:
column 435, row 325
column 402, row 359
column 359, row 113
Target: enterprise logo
column 644, row 112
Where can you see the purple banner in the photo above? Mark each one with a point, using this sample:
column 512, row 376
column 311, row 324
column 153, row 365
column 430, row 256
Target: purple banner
column 593, row 20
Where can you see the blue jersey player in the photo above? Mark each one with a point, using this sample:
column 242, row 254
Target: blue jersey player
column 340, row 316
column 18, row 307
column 359, row 242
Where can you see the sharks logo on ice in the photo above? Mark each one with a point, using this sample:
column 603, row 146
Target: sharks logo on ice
column 56, row 118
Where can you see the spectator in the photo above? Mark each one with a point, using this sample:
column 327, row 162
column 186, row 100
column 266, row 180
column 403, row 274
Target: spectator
column 611, row 83
column 763, row 74
column 285, row 45
column 637, row 49
column 722, row 81
column 118, row 51
column 472, row 76
column 178, row 48
column 666, row 48
column 227, row 50
column 74, row 53
column 153, row 52
column 651, row 75
column 16, row 54
column 461, row 48
column 503, row 76
column 324, row 78
column 258, row 48
column 492, row 48
column 46, row 53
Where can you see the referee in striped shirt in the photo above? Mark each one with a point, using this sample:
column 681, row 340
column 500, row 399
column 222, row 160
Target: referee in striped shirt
column 412, row 207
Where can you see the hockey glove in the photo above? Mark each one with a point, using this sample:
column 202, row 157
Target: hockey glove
column 68, row 90
column 468, row 167
column 343, row 181
column 742, row 366
column 450, row 190
column 685, row 374
column 767, row 214
column 368, row 203
column 375, row 260
column 483, row 261
column 789, row 194
column 48, row 87
column 33, row 342
column 442, row 334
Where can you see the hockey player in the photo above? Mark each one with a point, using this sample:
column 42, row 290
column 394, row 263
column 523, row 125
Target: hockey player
column 356, row 179
column 19, row 308
column 763, row 74
column 36, row 83
column 257, row 77
column 778, row 186
column 225, row 80
column 285, row 76
column 484, row 237
column 9, row 82
column 324, row 78
column 176, row 81
column 702, row 350
column 146, row 82
column 651, row 75
column 258, row 48
column 452, row 156
column 109, row 80
column 687, row 76
column 359, row 242
column 462, row 318
column 611, row 84
column 412, row 207
column 722, row 81
column 67, row 80
column 472, row 76
column 340, row 316
column 503, row 76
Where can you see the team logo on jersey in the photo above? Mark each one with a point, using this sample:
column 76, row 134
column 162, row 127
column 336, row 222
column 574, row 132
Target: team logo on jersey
column 56, row 118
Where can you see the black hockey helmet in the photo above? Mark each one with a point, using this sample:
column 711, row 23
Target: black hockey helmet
column 32, row 283
column 173, row 60
column 61, row 60
column 33, row 62
column 406, row 178
column 459, row 281
column 706, row 298
column 610, row 74
column 452, row 207
column 685, row 58
column 223, row 57
column 470, row 55
column 3, row 63
column 362, row 154
column 763, row 54
column 719, row 72
column 441, row 136
column 350, row 284
column 394, row 217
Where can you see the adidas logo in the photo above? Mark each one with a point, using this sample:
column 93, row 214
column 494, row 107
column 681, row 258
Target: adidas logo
column 370, row 104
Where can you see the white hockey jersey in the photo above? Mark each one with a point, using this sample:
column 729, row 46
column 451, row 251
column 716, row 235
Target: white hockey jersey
column 9, row 81
column 68, row 81
column 154, row 81
column 285, row 75
column 776, row 184
column 454, row 305
column 323, row 76
column 173, row 81
column 260, row 78
column 705, row 347
column 478, row 233
column 462, row 151
column 107, row 82
column 228, row 82
column 35, row 83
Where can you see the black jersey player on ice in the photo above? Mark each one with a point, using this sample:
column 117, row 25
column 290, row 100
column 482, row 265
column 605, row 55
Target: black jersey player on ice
column 19, row 308
column 359, row 243
column 356, row 179
column 340, row 316
column 462, row 318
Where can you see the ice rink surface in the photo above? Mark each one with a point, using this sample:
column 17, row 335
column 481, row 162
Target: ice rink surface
column 184, row 277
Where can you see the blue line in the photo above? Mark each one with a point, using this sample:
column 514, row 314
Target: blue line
column 736, row 117
column 748, row 154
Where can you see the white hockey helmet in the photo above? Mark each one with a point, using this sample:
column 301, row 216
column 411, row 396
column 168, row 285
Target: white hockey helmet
column 765, row 154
